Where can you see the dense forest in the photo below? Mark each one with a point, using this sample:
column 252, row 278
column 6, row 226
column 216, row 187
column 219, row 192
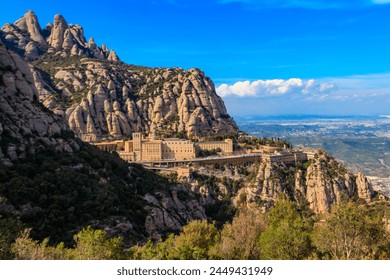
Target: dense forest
column 286, row 232
column 57, row 194
column 57, row 206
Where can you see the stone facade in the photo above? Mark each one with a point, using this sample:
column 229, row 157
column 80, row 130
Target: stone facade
column 225, row 146
column 286, row 157
column 178, row 149
column 150, row 149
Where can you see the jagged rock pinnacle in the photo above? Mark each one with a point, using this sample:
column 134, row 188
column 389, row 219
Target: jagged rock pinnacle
column 57, row 34
column 60, row 38
column 29, row 22
column 113, row 56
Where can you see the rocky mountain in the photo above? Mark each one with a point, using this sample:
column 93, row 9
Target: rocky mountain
column 28, row 38
column 101, row 97
column 322, row 182
column 25, row 124
column 57, row 184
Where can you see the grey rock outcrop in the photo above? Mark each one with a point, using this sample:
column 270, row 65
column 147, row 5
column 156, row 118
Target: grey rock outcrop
column 61, row 39
column 29, row 23
column 101, row 97
column 112, row 56
column 168, row 213
column 325, row 183
column 56, row 38
column 32, row 51
column 26, row 126
column 116, row 101
column 364, row 187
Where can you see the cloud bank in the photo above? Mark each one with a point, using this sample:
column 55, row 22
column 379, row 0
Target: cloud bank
column 349, row 95
column 275, row 87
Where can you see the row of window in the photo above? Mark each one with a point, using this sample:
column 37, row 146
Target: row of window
column 177, row 151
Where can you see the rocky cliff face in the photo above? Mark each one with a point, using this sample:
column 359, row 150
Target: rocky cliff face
column 63, row 39
column 323, row 183
column 25, row 125
column 48, row 177
column 167, row 214
column 327, row 181
column 101, row 97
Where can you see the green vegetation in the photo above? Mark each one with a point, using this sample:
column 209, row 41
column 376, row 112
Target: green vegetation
column 222, row 210
column 49, row 62
column 288, row 233
column 55, row 193
column 350, row 231
column 9, row 229
column 254, row 142
column 240, row 238
column 90, row 244
column 207, row 153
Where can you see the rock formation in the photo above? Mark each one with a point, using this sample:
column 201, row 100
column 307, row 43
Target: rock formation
column 101, row 97
column 26, row 126
column 117, row 102
column 57, row 36
column 324, row 183
column 60, row 38
column 364, row 187
column 29, row 128
column 29, row 23
column 170, row 213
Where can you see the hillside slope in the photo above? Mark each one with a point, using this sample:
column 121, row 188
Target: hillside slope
column 57, row 184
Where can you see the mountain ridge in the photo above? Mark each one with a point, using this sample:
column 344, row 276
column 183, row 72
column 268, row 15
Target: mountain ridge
column 57, row 184
column 101, row 97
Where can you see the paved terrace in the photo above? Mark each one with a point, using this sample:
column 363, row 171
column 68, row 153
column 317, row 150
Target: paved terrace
column 241, row 159
column 245, row 159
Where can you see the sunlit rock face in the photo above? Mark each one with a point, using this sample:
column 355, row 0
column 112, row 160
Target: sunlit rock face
column 100, row 97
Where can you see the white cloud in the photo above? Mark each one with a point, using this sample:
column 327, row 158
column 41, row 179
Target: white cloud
column 367, row 94
column 275, row 87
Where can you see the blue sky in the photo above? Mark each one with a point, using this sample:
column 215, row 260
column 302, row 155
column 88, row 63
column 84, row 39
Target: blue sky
column 268, row 57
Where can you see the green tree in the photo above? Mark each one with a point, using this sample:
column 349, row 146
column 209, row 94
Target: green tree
column 196, row 241
column 239, row 239
column 9, row 229
column 94, row 245
column 352, row 232
column 288, row 234
column 162, row 250
column 90, row 245
column 25, row 248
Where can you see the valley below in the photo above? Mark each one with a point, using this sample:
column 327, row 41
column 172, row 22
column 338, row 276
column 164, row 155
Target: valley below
column 361, row 143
